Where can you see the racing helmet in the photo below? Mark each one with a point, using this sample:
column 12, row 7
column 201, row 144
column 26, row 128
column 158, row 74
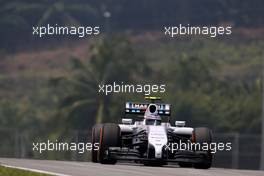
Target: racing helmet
column 152, row 112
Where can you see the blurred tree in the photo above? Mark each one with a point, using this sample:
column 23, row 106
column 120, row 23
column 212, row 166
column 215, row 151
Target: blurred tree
column 202, row 97
column 112, row 60
column 18, row 17
column 62, row 11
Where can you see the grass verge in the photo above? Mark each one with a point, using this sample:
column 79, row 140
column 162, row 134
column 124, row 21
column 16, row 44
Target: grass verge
column 6, row 171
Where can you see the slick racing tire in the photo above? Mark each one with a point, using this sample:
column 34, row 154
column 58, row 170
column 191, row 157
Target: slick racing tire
column 95, row 139
column 185, row 164
column 109, row 137
column 203, row 135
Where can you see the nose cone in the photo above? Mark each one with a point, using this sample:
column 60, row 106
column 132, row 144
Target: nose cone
column 157, row 137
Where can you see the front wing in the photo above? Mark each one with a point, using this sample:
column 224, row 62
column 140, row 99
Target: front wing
column 118, row 153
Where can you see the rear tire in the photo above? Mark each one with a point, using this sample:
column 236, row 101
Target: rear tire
column 109, row 137
column 203, row 135
column 95, row 139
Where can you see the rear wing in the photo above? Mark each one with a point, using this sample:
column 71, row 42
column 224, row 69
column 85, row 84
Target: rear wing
column 140, row 108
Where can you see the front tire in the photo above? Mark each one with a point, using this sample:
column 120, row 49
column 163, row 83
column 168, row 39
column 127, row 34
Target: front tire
column 203, row 135
column 185, row 165
column 109, row 137
column 95, row 139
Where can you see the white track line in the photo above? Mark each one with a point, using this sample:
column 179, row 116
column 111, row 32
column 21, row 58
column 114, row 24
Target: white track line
column 34, row 170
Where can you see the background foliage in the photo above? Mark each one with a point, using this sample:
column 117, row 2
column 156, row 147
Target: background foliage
column 49, row 86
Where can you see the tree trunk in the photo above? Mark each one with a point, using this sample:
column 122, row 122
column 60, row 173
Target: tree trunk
column 100, row 111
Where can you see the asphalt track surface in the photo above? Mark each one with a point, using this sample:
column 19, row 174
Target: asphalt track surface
column 67, row 168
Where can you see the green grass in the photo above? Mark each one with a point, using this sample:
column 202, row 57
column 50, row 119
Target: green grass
column 5, row 171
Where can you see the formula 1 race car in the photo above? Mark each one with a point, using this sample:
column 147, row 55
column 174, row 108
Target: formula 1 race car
column 151, row 141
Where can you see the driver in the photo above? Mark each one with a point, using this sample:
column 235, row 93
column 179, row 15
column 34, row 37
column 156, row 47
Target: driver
column 151, row 116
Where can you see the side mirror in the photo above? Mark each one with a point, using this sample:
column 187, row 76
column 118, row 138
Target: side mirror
column 179, row 123
column 127, row 121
